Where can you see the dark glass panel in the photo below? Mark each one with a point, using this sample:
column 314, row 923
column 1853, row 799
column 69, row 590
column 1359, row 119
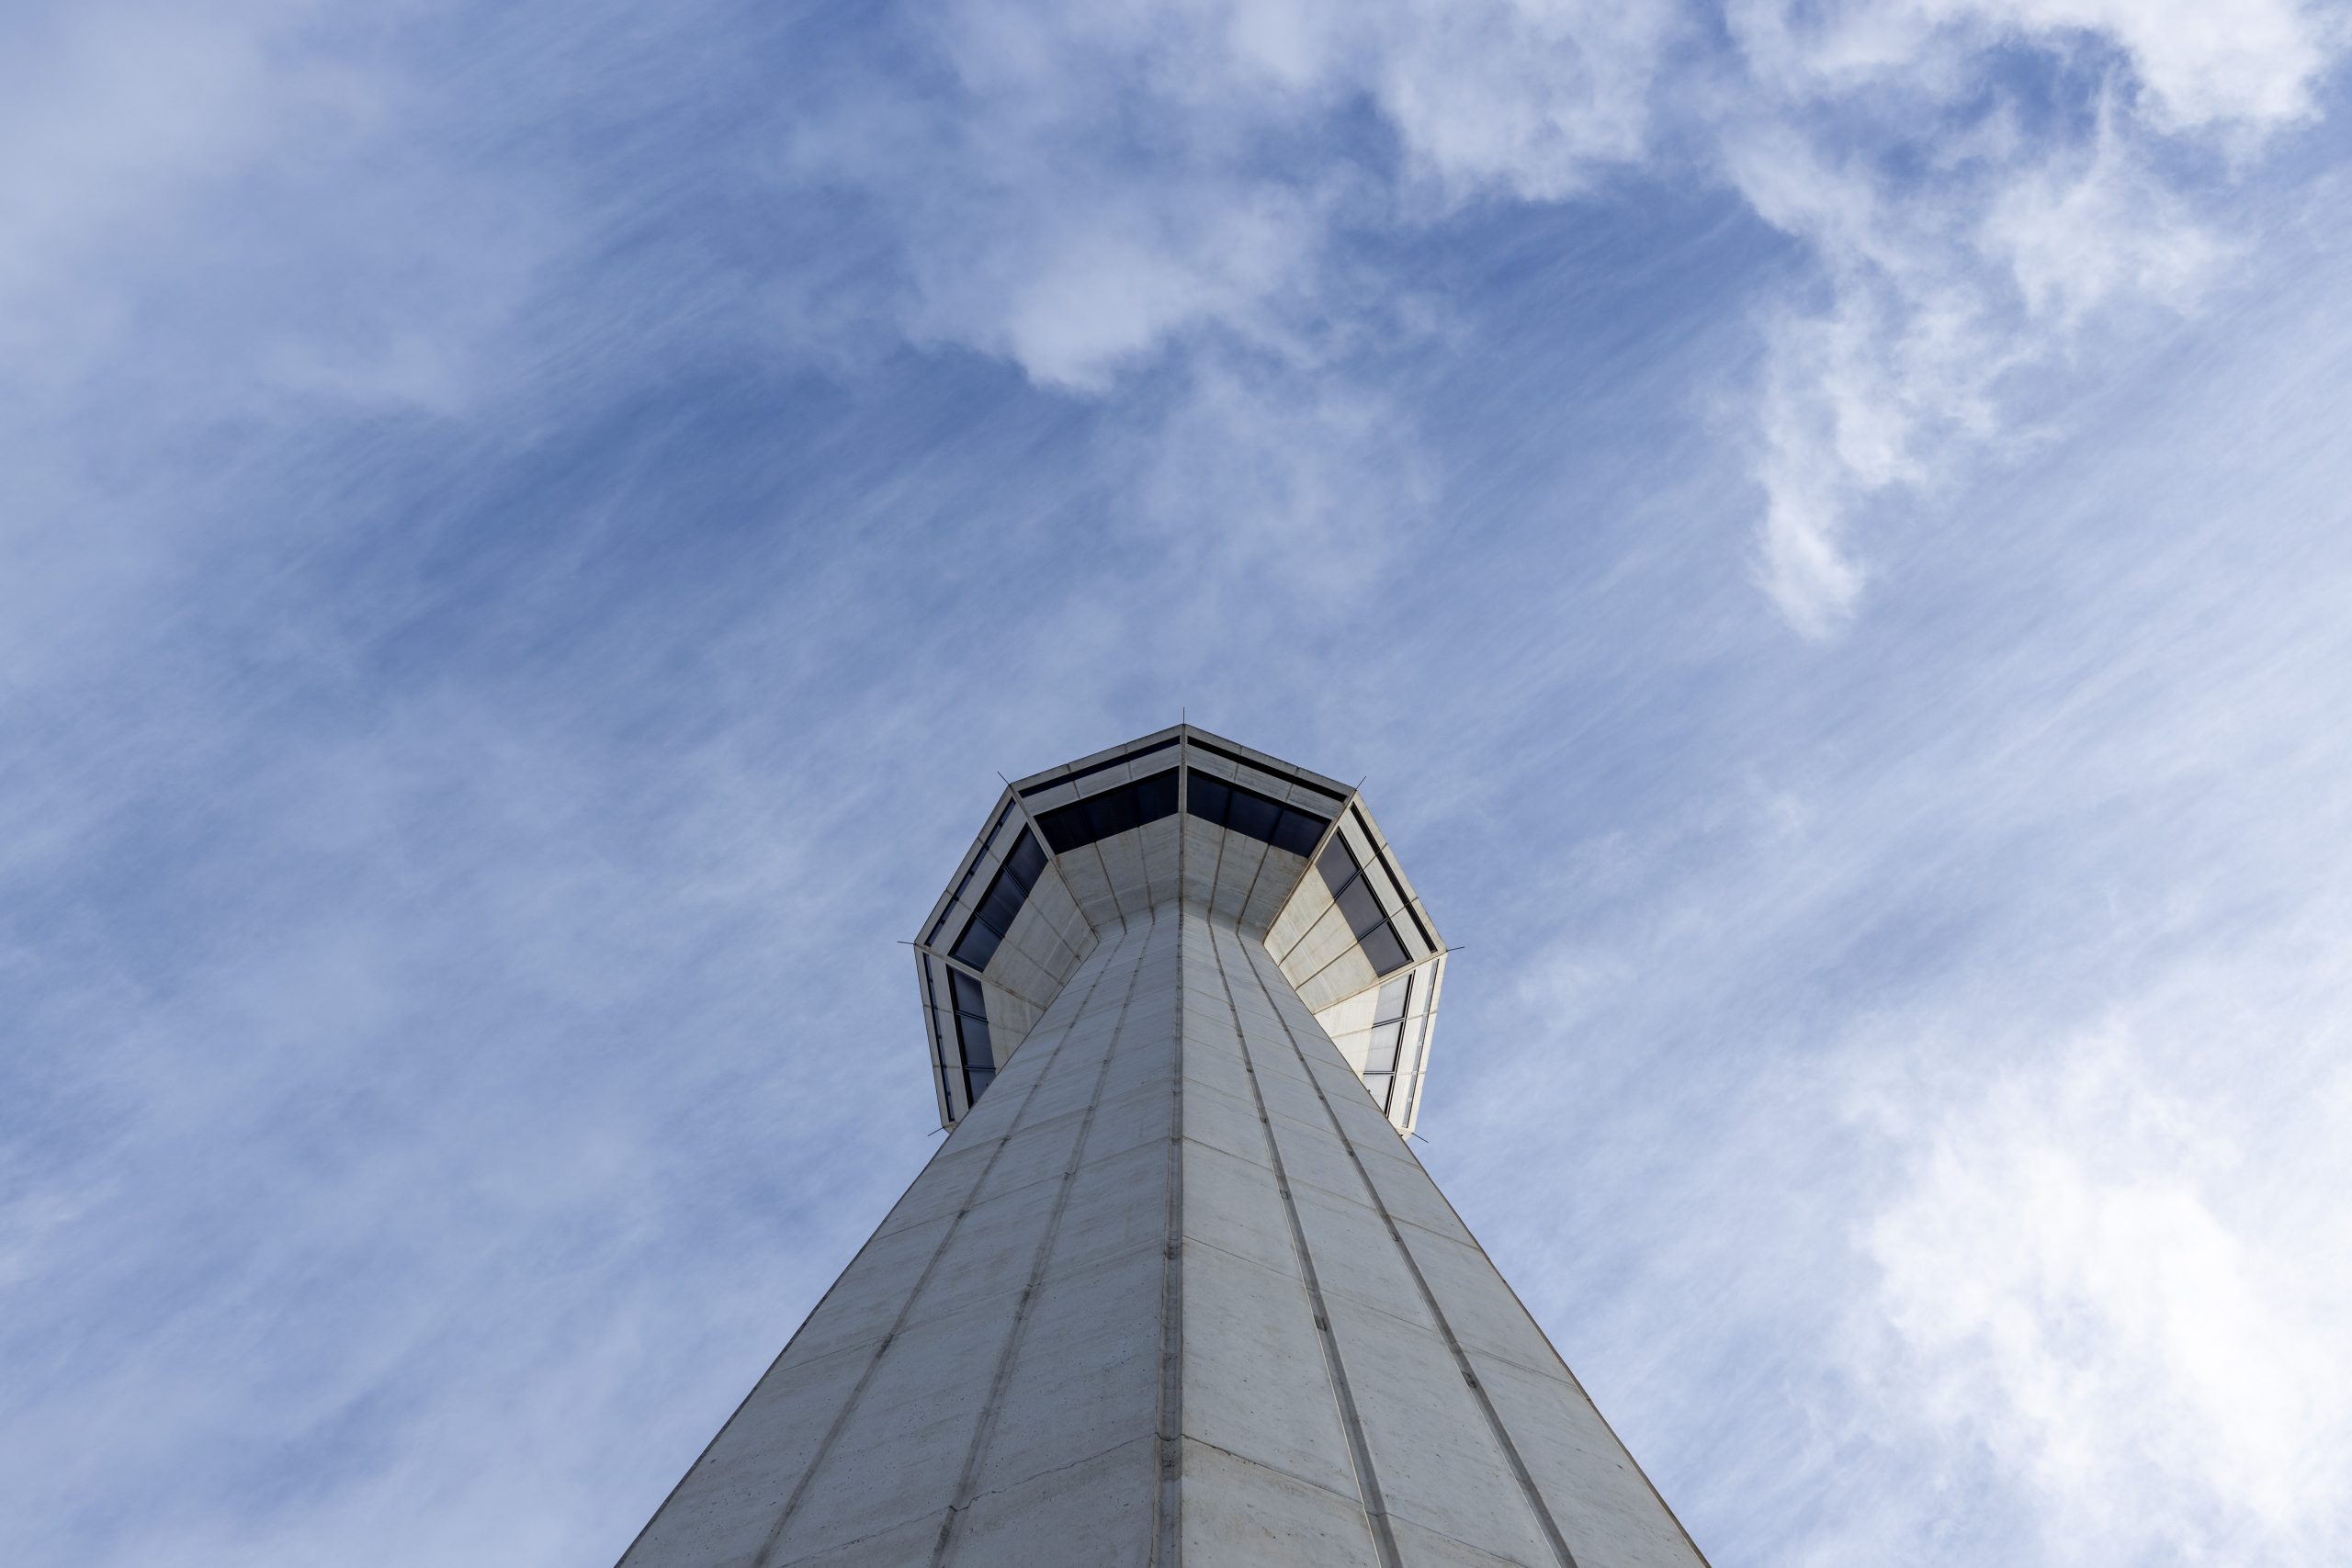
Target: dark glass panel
column 978, row 944
column 1360, row 909
column 967, row 991
column 1297, row 831
column 1254, row 815
column 1007, row 890
column 1380, row 945
column 1027, row 860
column 1066, row 827
column 1113, row 811
column 1209, row 798
column 1003, row 902
column 1155, row 797
column 976, row 1083
column 1337, row 864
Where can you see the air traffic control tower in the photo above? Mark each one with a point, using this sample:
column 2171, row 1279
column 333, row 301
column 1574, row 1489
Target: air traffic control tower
column 1175, row 1289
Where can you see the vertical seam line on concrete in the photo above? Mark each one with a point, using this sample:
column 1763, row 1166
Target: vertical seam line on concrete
column 857, row 1391
column 1167, row 1549
column 960, row 1500
column 1519, row 1469
column 1256, row 876
column 1103, row 864
column 1375, row 1506
column 1216, row 867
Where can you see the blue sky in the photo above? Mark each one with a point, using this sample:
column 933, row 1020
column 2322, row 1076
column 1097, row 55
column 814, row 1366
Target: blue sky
column 531, row 532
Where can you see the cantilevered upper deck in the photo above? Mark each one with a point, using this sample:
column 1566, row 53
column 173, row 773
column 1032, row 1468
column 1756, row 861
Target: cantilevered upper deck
column 1285, row 856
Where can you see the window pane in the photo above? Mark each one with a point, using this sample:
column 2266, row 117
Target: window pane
column 1209, row 798
column 1113, row 811
column 1027, row 860
column 1391, row 1005
column 1297, row 831
column 1337, row 864
column 967, row 991
column 1003, row 902
column 1380, row 945
column 977, row 1083
column 1066, row 827
column 1359, row 908
column 1381, row 1055
column 978, row 944
column 1378, row 1083
column 1155, row 797
column 1252, row 814
column 980, row 1049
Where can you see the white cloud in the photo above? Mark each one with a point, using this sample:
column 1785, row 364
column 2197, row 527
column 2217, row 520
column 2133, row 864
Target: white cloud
column 1253, row 477
column 1959, row 247
column 1966, row 218
column 2082, row 1284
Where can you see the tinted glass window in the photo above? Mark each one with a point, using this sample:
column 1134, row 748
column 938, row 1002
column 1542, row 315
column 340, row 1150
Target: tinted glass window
column 1260, row 817
column 1209, row 798
column 1003, row 902
column 969, row 998
column 1007, row 890
column 978, row 944
column 1337, row 865
column 1155, row 797
column 1254, row 815
column 1027, row 860
column 1066, row 827
column 1393, row 998
column 1112, row 812
column 1116, row 811
column 1297, row 831
column 980, row 1051
column 994, row 829
column 1381, row 1056
column 971, row 1021
column 976, row 1083
column 1380, row 945
column 1359, row 908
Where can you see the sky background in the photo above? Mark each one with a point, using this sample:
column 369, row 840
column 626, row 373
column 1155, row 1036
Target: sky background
column 529, row 533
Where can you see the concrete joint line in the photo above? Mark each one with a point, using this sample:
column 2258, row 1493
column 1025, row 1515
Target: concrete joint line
column 1519, row 1469
column 1168, row 1536
column 1376, row 1507
column 765, row 1557
column 967, row 1482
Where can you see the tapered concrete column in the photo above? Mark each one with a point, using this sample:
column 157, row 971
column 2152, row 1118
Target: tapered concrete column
column 1174, row 1290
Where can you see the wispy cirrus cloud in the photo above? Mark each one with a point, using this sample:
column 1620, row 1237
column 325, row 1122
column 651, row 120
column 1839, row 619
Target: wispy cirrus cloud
column 530, row 536
column 1973, row 185
column 1979, row 183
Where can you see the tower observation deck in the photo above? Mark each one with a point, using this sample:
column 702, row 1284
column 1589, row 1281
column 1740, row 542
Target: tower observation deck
column 1175, row 1289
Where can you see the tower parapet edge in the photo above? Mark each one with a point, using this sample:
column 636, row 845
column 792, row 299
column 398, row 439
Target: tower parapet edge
column 1284, row 856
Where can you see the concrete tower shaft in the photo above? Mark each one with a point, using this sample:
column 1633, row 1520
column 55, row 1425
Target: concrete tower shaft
column 1174, row 1290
